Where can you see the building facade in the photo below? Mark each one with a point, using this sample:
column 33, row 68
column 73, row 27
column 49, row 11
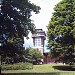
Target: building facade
column 38, row 42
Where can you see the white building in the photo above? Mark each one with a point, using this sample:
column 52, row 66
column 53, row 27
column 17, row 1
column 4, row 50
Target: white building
column 38, row 40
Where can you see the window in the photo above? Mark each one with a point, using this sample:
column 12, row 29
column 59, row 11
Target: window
column 37, row 41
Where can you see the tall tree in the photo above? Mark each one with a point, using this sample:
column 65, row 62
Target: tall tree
column 61, row 32
column 15, row 23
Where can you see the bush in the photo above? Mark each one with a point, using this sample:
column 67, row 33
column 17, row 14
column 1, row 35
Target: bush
column 33, row 55
column 17, row 66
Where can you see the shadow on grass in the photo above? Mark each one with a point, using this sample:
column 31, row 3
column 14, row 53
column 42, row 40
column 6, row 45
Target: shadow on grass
column 51, row 73
column 65, row 68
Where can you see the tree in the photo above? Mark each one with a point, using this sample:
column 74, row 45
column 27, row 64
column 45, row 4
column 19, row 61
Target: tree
column 61, row 32
column 33, row 55
column 15, row 23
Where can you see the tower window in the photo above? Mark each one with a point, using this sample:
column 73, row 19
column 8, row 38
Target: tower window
column 37, row 41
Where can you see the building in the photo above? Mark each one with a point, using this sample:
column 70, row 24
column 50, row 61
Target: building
column 38, row 42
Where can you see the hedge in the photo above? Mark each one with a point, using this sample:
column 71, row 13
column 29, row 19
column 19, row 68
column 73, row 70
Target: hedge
column 17, row 66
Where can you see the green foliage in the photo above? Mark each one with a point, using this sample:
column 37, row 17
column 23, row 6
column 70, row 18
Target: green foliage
column 61, row 32
column 33, row 55
column 15, row 17
column 17, row 66
column 15, row 23
column 12, row 53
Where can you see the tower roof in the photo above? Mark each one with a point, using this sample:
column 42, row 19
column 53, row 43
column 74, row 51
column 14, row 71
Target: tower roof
column 39, row 33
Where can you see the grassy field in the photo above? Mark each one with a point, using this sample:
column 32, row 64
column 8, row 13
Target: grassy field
column 46, row 69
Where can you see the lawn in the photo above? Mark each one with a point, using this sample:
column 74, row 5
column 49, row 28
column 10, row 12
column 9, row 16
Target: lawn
column 46, row 69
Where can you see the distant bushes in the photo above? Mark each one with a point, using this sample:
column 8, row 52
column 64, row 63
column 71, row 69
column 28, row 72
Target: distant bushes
column 17, row 66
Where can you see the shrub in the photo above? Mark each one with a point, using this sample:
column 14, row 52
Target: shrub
column 33, row 55
column 17, row 66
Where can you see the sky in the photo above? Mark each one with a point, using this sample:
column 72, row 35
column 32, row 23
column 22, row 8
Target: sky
column 42, row 19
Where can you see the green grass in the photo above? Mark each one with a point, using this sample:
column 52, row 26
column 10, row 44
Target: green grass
column 50, row 73
column 46, row 69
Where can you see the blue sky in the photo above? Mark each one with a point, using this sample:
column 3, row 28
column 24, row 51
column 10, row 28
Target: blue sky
column 42, row 19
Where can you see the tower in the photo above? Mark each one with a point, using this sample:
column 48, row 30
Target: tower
column 38, row 40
